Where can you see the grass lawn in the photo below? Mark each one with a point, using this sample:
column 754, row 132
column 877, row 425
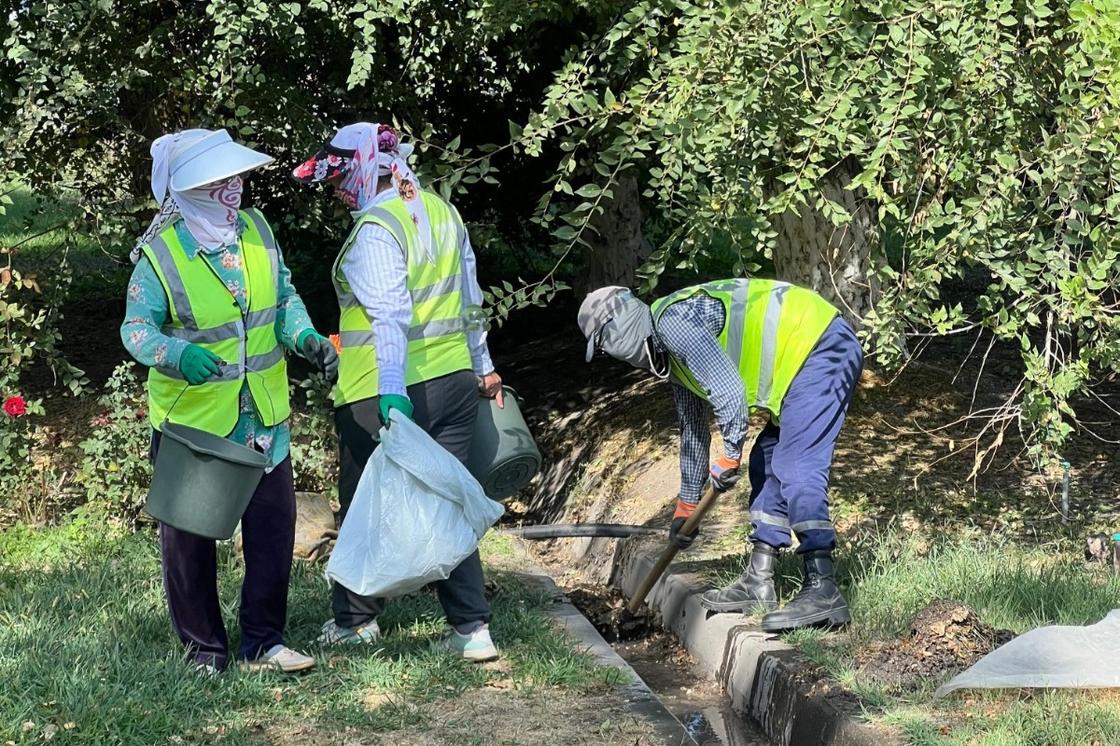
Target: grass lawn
column 87, row 656
column 889, row 575
column 39, row 235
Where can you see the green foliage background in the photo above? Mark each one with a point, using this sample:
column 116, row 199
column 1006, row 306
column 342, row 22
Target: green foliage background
column 981, row 135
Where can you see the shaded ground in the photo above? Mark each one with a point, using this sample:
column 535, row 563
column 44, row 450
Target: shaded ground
column 914, row 527
column 602, row 426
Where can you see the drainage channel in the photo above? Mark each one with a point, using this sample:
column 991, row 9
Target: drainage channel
column 667, row 669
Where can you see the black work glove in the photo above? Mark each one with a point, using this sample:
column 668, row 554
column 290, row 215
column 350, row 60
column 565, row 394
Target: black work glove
column 724, row 473
column 321, row 353
column 676, row 538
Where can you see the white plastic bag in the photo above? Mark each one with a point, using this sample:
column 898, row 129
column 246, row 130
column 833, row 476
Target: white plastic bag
column 417, row 513
column 1050, row 657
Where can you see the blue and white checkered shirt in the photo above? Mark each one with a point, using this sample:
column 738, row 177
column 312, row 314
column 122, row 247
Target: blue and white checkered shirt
column 689, row 331
column 377, row 270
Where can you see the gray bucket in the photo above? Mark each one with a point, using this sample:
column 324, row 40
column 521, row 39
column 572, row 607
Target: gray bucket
column 503, row 456
column 202, row 482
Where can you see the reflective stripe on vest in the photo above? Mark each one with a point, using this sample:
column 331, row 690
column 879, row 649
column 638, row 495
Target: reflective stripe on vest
column 769, row 329
column 203, row 312
column 437, row 342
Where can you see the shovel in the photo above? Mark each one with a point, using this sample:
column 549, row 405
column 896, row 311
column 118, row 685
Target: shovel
column 706, row 502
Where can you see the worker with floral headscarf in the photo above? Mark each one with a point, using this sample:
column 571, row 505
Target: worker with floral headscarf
column 210, row 277
column 410, row 341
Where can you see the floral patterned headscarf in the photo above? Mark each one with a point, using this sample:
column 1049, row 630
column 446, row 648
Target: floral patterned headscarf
column 361, row 153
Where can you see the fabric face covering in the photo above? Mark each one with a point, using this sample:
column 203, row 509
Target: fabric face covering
column 210, row 212
column 628, row 337
column 378, row 152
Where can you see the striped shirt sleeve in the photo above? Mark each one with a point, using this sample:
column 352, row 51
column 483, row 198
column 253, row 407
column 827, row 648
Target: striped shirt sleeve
column 472, row 304
column 689, row 330
column 377, row 272
column 696, row 439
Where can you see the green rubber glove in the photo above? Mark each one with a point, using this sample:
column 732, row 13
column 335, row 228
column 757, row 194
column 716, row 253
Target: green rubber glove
column 198, row 364
column 388, row 402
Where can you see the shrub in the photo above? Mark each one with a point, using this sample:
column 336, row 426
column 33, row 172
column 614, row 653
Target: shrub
column 115, row 470
column 313, row 442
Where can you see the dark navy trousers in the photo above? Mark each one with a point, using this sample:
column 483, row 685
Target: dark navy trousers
column 190, row 575
column 789, row 464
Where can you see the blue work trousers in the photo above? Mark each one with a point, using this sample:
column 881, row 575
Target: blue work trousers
column 789, row 465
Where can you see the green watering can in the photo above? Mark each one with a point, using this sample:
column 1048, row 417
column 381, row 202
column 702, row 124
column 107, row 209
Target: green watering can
column 202, row 482
column 504, row 457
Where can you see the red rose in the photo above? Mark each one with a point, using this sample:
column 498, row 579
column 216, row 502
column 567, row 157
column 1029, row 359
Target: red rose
column 15, row 406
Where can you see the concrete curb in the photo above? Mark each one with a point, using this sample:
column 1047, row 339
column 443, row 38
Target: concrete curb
column 640, row 699
column 758, row 671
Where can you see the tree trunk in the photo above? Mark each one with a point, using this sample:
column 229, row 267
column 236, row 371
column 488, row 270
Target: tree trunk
column 618, row 249
column 839, row 262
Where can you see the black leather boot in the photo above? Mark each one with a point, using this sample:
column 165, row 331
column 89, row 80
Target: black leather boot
column 753, row 589
column 818, row 602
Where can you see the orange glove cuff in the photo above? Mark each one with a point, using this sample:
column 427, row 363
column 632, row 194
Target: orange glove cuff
column 684, row 510
column 725, row 463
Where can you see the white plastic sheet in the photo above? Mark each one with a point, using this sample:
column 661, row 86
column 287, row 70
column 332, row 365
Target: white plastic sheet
column 1056, row 657
column 416, row 515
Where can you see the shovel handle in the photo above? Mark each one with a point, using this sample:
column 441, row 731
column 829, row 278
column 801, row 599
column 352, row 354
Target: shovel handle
column 639, row 598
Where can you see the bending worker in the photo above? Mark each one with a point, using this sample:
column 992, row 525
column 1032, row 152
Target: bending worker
column 210, row 309
column 407, row 287
column 730, row 345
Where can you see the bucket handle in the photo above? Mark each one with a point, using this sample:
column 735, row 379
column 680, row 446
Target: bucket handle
column 221, row 364
column 509, row 392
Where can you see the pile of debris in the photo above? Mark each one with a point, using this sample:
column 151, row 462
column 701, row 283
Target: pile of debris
column 945, row 637
column 606, row 609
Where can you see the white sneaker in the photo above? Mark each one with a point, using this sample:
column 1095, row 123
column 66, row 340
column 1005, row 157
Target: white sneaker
column 477, row 646
column 280, row 658
column 205, row 670
column 334, row 634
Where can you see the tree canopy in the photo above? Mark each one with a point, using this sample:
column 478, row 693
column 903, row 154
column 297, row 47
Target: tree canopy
column 935, row 168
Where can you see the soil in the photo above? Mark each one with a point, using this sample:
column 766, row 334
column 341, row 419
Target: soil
column 945, row 637
column 908, row 453
column 666, row 668
column 606, row 609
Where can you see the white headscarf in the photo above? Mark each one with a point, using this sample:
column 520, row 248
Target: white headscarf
column 210, row 212
column 379, row 152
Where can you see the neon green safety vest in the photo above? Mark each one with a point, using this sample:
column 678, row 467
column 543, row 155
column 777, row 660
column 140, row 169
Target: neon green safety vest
column 769, row 329
column 437, row 339
column 205, row 313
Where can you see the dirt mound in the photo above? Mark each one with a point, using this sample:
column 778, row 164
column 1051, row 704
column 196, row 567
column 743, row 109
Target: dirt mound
column 945, row 637
column 606, row 609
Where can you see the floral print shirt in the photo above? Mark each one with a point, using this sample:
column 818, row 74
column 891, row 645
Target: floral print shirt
column 147, row 311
